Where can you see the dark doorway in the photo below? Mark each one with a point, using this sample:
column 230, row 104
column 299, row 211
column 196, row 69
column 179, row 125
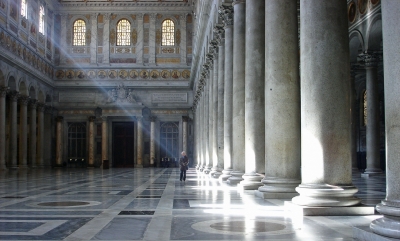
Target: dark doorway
column 123, row 144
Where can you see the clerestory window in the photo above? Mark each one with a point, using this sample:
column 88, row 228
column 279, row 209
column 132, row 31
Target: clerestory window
column 168, row 32
column 123, row 33
column 79, row 33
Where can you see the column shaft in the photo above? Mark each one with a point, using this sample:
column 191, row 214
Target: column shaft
column 13, row 130
column 182, row 44
column 91, row 141
column 23, row 131
column 32, row 134
column 152, row 39
column 254, row 95
column 139, row 45
column 238, row 91
column 106, row 40
column 93, row 42
column 389, row 225
column 206, row 126
column 210, row 121
column 59, row 141
column 104, row 139
column 63, row 39
column 139, row 141
column 282, row 101
column 3, row 93
column 153, row 141
column 325, row 106
column 40, row 137
column 217, row 165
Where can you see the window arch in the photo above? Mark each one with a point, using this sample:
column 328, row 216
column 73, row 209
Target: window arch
column 168, row 32
column 79, row 33
column 41, row 19
column 123, row 32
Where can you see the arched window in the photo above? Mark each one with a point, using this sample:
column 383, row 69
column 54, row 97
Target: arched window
column 79, row 33
column 41, row 19
column 24, row 9
column 123, row 32
column 168, row 32
column 365, row 108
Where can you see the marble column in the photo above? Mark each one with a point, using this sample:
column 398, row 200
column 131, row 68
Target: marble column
column 282, row 101
column 202, row 135
column 185, row 120
column 325, row 106
column 152, row 39
column 23, row 131
column 139, row 45
column 370, row 61
column 104, row 138
column 254, row 95
column 139, row 155
column 210, row 120
column 354, row 122
column 217, row 164
column 91, row 141
column 13, row 130
column 3, row 93
column 226, row 12
column 40, row 136
column 106, row 40
column 206, row 127
column 389, row 225
column 182, row 44
column 238, row 121
column 153, row 140
column 59, row 141
column 93, row 38
column 63, row 39
column 32, row 134
column 220, row 96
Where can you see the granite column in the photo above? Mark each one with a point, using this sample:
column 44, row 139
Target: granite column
column 59, row 141
column 217, row 165
column 389, row 225
column 3, row 93
column 23, row 131
column 32, row 134
column 153, row 140
column 254, row 95
column 13, row 130
column 238, row 121
column 282, row 101
column 325, row 106
column 104, row 139
column 139, row 149
column 370, row 62
column 40, row 136
column 91, row 141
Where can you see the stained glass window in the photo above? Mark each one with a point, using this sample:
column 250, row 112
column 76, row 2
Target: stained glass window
column 79, row 33
column 24, row 9
column 41, row 19
column 123, row 33
column 168, row 32
column 365, row 108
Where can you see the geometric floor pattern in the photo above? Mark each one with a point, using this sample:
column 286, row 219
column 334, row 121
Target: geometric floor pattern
column 152, row 204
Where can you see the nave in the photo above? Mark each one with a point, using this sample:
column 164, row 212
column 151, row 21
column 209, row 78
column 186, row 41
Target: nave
column 152, row 204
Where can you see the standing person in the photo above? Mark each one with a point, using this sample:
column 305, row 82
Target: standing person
column 183, row 164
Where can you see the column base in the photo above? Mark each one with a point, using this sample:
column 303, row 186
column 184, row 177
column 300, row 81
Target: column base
column 251, row 181
column 299, row 210
column 324, row 195
column 275, row 195
column 216, row 174
column 366, row 234
column 226, row 174
column 236, row 177
column 371, row 174
column 389, row 225
column 23, row 167
column 139, row 166
column 207, row 170
column 3, row 168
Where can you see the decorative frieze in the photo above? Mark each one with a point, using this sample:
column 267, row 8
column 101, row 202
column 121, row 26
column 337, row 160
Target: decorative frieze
column 68, row 97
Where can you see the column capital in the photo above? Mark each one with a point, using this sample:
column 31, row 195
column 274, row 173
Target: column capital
column 94, row 16
column 33, row 104
column 23, row 99
column 3, row 91
column 153, row 118
column 220, row 32
column 104, row 118
column 59, row 118
column 64, row 16
column 183, row 16
column 107, row 16
column 14, row 95
column 139, row 118
column 41, row 107
column 139, row 16
column 92, row 118
column 369, row 60
column 48, row 109
column 153, row 16
column 226, row 13
column 185, row 118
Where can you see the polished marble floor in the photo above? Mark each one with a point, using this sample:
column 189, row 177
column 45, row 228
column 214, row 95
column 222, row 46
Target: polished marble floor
column 152, row 204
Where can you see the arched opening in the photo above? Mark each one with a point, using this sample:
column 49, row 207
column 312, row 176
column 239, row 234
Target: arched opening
column 77, row 144
column 169, row 141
